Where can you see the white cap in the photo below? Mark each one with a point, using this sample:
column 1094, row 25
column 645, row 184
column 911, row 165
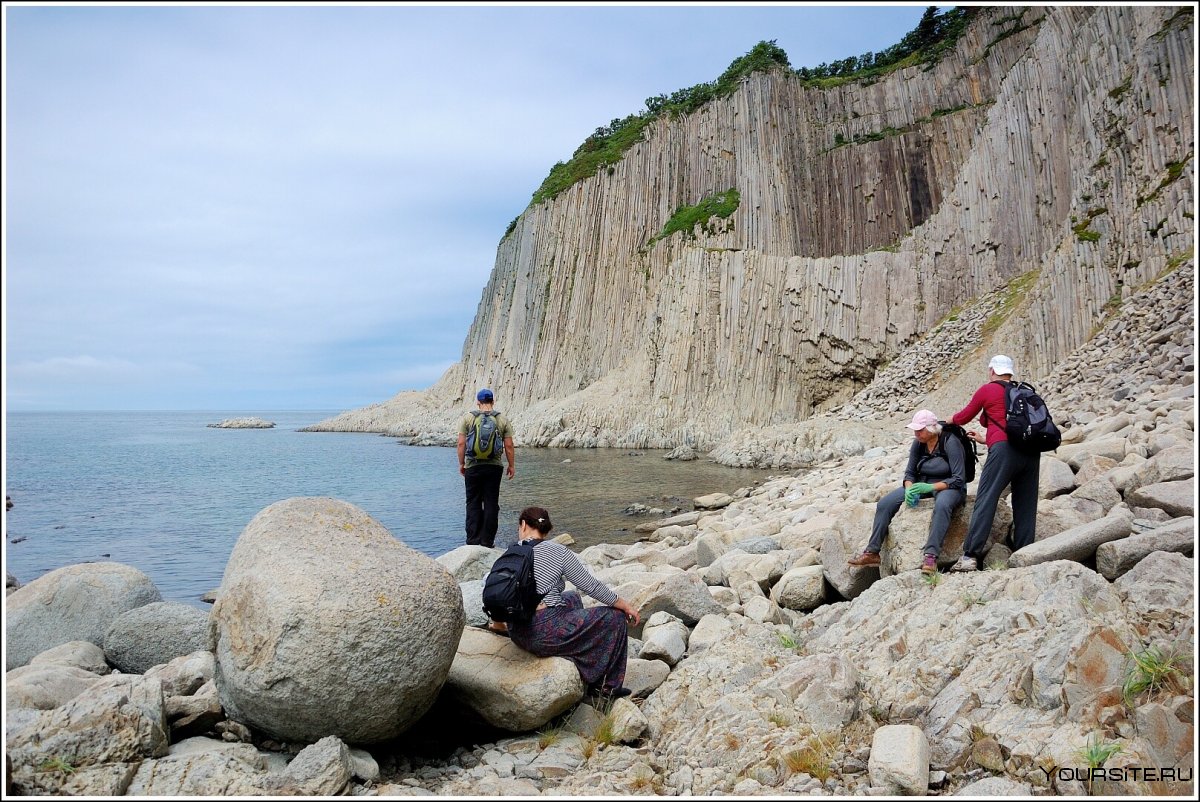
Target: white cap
column 1002, row 365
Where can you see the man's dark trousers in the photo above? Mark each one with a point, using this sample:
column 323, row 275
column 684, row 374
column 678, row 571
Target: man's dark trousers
column 1004, row 466
column 483, row 503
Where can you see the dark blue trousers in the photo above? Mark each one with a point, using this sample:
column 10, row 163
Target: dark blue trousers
column 1004, row 466
column 944, row 504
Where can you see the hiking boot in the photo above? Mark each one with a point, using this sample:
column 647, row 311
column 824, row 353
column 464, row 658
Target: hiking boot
column 965, row 563
column 867, row 558
column 608, row 695
column 929, row 564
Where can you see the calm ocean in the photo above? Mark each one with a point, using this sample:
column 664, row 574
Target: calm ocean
column 166, row 494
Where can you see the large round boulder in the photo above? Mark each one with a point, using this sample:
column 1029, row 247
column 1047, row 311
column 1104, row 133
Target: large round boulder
column 78, row 602
column 326, row 624
column 155, row 634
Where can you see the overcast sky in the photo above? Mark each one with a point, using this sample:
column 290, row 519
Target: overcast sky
column 297, row 207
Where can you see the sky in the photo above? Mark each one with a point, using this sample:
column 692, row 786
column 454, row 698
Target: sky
column 297, row 207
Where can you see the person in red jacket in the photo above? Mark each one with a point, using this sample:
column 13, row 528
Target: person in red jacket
column 1004, row 466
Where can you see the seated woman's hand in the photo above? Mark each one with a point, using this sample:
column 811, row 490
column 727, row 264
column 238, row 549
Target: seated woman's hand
column 631, row 615
column 915, row 491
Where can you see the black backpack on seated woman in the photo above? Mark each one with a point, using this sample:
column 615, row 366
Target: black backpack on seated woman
column 970, row 456
column 510, row 590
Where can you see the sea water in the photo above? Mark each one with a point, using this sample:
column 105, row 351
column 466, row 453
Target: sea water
column 163, row 492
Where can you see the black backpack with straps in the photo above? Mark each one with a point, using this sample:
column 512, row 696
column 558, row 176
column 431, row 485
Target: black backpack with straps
column 970, row 456
column 510, row 591
column 1028, row 423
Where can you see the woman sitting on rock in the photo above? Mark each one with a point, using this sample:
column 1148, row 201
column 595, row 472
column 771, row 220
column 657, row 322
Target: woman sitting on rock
column 595, row 639
column 936, row 467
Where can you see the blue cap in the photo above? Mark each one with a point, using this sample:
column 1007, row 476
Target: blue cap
column 484, row 396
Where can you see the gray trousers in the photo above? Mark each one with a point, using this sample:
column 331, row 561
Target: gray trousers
column 1004, row 466
column 944, row 504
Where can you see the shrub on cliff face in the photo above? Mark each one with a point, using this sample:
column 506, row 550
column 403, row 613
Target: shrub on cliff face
column 935, row 35
column 686, row 218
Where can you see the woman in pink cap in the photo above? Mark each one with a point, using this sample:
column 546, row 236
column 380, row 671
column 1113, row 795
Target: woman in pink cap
column 936, row 467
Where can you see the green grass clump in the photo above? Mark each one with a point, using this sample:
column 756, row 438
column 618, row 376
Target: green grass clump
column 1082, row 229
column 814, row 758
column 1152, row 671
column 57, row 764
column 1098, row 752
column 686, row 218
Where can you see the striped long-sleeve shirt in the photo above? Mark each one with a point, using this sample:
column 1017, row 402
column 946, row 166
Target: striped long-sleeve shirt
column 553, row 564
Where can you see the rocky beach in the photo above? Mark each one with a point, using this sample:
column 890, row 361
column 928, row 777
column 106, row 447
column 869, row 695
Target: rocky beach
column 1029, row 192
column 338, row 661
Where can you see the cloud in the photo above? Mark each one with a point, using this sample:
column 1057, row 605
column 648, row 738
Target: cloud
column 238, row 203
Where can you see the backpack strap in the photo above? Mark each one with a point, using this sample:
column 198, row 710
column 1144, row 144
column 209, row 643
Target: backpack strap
column 983, row 417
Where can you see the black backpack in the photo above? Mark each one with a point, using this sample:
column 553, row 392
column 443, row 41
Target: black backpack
column 970, row 456
column 510, row 590
column 1028, row 423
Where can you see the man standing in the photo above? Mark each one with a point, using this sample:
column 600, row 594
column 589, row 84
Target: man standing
column 483, row 434
column 1004, row 466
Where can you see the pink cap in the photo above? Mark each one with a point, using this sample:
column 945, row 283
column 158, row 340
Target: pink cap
column 922, row 420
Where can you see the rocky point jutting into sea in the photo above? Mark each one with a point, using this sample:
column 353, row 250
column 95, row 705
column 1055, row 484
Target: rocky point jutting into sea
column 1031, row 194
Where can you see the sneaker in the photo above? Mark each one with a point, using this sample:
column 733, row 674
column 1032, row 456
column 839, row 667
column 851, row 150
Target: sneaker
column 609, row 695
column 929, row 564
column 865, row 559
column 965, row 563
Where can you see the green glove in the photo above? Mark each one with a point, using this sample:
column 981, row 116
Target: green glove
column 914, row 492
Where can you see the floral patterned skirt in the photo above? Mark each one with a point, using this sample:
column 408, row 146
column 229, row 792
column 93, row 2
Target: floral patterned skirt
column 595, row 639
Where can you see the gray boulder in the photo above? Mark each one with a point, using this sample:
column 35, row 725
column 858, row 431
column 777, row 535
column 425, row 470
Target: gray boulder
column 468, row 563
column 1116, row 557
column 78, row 602
column 680, row 593
column 321, row 769
column 46, row 686
column 77, row 653
column 903, row 548
column 709, row 630
column 185, row 675
column 666, row 639
column 801, row 588
column 472, row 601
column 899, row 760
column 118, row 720
column 508, row 687
column 1176, row 498
column 643, row 676
column 995, row 786
column 155, row 634
column 209, row 773
column 822, row 688
column 328, row 625
column 1055, row 477
column 837, row 548
column 1076, row 544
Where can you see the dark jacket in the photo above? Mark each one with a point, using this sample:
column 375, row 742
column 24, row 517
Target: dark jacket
column 946, row 464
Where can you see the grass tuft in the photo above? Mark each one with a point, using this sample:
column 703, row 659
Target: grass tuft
column 1098, row 752
column 1152, row 671
column 814, row 758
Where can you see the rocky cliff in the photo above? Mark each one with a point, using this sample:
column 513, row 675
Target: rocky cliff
column 1032, row 179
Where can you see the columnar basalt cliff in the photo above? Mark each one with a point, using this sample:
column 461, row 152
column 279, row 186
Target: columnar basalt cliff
column 1043, row 168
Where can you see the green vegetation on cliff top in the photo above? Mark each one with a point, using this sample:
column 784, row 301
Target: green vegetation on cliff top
column 935, row 35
